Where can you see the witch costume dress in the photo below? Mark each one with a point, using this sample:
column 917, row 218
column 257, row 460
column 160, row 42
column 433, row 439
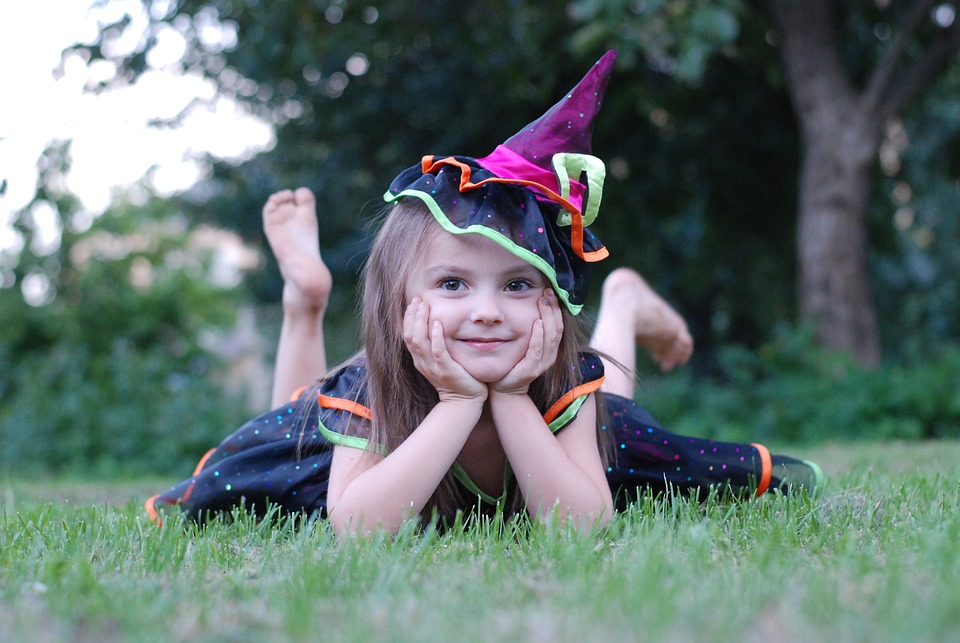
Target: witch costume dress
column 534, row 195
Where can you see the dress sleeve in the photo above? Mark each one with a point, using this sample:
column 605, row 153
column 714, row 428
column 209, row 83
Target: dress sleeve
column 564, row 410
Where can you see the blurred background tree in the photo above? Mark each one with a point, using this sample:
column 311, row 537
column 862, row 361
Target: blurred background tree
column 114, row 344
column 784, row 173
column 714, row 145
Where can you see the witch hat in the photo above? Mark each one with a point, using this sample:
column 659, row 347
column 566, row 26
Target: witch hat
column 534, row 194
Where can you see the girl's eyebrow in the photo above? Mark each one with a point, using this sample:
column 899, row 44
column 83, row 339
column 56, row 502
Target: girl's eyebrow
column 521, row 268
column 444, row 269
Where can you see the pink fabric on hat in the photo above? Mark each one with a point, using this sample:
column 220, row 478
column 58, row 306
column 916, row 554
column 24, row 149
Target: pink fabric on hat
column 507, row 164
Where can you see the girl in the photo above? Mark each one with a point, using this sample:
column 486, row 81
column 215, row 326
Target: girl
column 475, row 388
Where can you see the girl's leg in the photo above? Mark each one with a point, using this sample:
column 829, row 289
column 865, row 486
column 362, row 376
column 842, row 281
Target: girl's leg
column 632, row 314
column 290, row 224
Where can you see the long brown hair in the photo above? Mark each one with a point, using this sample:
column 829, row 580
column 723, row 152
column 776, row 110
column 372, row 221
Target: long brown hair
column 399, row 396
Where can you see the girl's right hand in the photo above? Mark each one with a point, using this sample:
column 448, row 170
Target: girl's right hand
column 424, row 339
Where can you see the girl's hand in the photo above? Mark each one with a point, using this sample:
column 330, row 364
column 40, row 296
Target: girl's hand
column 541, row 351
column 428, row 348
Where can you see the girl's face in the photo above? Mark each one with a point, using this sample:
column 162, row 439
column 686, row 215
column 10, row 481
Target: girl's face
column 485, row 297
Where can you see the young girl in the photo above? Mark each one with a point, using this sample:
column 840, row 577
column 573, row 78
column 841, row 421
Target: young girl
column 475, row 389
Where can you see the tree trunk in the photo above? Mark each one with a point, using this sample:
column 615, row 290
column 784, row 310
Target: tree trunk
column 833, row 281
column 840, row 144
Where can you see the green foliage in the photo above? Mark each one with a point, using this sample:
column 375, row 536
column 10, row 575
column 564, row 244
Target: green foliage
column 108, row 371
column 791, row 390
column 917, row 262
column 675, row 37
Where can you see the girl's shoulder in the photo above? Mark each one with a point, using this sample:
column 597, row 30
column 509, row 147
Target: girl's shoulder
column 348, row 381
column 343, row 400
column 591, row 367
column 564, row 409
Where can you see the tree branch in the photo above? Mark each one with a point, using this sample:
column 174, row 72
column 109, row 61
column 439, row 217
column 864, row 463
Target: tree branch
column 922, row 72
column 882, row 76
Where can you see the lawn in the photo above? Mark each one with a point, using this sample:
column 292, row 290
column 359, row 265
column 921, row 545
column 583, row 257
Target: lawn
column 874, row 557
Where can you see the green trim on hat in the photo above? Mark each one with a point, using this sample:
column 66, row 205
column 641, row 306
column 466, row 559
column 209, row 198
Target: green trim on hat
column 526, row 255
column 566, row 164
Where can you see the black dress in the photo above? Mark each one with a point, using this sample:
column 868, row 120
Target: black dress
column 283, row 456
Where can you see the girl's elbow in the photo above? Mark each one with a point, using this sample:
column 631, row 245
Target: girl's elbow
column 342, row 522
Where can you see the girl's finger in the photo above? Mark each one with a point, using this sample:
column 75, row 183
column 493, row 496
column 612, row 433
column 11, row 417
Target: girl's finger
column 438, row 345
column 408, row 319
column 535, row 349
column 421, row 315
column 552, row 317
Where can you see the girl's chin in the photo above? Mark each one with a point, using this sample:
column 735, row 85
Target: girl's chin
column 486, row 368
column 487, row 377
column 489, row 374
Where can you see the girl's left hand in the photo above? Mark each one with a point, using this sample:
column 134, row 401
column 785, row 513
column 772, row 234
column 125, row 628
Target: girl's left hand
column 541, row 351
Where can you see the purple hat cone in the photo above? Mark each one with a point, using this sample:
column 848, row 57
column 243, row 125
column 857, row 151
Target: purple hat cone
column 568, row 125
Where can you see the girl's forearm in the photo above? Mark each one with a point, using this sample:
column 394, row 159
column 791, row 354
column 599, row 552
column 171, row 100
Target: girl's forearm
column 301, row 353
column 548, row 477
column 400, row 485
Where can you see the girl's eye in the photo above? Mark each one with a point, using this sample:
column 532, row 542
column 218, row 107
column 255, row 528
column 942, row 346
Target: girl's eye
column 518, row 285
column 451, row 284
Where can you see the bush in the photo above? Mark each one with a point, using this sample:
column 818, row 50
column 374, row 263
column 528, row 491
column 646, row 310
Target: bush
column 793, row 391
column 132, row 410
column 107, row 372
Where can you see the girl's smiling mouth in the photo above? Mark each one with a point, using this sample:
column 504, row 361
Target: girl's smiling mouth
column 484, row 343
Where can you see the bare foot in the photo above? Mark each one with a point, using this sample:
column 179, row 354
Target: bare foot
column 290, row 223
column 658, row 327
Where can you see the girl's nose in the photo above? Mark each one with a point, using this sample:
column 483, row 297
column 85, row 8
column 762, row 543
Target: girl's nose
column 486, row 309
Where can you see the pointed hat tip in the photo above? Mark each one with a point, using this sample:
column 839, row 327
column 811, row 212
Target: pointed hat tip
column 568, row 125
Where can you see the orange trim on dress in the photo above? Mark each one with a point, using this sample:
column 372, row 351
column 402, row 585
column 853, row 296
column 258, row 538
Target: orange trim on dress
column 360, row 410
column 428, row 165
column 149, row 505
column 569, row 397
column 203, row 461
column 767, row 463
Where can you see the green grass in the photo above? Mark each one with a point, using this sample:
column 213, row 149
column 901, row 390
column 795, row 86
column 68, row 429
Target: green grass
column 876, row 557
